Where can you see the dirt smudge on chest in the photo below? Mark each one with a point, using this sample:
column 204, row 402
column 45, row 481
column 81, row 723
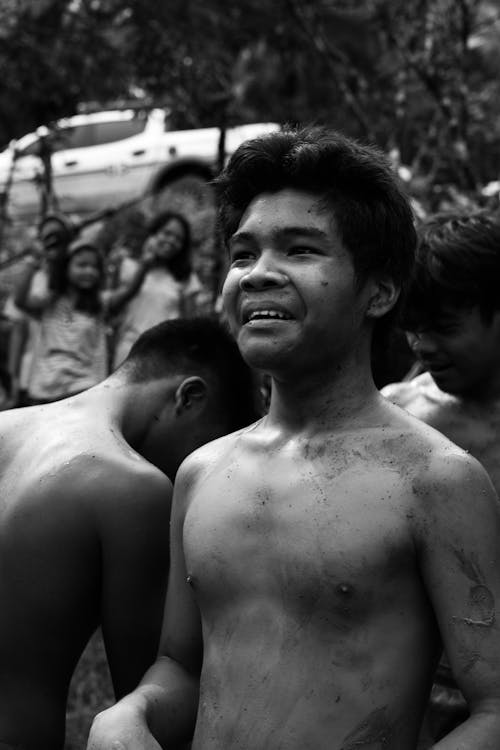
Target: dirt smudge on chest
column 375, row 732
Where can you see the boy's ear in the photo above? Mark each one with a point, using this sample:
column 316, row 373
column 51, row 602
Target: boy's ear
column 190, row 393
column 383, row 298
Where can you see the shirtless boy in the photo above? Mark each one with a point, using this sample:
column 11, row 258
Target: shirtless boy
column 453, row 322
column 84, row 515
column 320, row 556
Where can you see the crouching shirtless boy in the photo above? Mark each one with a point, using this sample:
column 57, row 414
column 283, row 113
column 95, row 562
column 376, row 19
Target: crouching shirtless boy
column 321, row 556
column 85, row 501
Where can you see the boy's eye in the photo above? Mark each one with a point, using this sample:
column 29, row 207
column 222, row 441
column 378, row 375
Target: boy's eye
column 240, row 256
column 436, row 329
column 302, row 250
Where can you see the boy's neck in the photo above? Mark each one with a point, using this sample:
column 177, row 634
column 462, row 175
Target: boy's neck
column 320, row 402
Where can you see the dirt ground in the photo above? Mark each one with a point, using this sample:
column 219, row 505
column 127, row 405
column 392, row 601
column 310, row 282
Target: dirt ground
column 90, row 693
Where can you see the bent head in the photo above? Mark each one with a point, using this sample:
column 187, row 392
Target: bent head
column 321, row 242
column 452, row 315
column 209, row 390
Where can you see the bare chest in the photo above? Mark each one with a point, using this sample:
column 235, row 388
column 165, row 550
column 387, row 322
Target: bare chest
column 310, row 534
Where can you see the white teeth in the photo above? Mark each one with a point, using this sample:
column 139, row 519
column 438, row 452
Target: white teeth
column 268, row 314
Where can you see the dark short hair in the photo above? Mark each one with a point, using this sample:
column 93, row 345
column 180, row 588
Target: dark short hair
column 458, row 266
column 201, row 346
column 372, row 213
column 180, row 266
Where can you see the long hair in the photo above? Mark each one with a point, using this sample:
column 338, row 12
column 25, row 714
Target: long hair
column 180, row 265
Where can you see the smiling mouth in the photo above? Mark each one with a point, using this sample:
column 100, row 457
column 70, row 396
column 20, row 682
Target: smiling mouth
column 266, row 315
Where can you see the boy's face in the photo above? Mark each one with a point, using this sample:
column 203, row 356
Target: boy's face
column 290, row 294
column 461, row 351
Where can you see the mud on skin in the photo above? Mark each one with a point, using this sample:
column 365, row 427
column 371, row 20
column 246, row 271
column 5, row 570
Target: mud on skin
column 481, row 607
column 481, row 600
column 373, row 733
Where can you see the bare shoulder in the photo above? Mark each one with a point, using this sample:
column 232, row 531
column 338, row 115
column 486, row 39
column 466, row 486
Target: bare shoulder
column 445, row 494
column 407, row 393
column 126, row 486
column 435, row 464
column 449, row 489
column 212, row 453
column 111, row 486
column 452, row 473
column 199, row 464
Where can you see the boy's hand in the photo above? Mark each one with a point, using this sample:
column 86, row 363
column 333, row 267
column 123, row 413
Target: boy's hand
column 121, row 728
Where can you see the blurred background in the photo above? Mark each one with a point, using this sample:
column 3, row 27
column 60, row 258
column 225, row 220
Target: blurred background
column 420, row 79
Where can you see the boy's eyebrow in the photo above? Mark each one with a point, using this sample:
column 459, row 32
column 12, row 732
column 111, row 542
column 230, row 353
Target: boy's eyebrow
column 301, row 230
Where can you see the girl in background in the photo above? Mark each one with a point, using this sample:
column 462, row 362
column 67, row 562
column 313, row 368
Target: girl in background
column 170, row 288
column 71, row 352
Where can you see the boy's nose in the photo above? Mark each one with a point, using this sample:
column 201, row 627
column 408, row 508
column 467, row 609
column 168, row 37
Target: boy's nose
column 264, row 273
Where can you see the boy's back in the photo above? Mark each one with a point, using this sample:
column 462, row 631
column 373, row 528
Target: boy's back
column 59, row 526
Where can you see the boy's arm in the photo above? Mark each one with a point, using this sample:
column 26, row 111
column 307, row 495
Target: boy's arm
column 459, row 552
column 133, row 518
column 161, row 711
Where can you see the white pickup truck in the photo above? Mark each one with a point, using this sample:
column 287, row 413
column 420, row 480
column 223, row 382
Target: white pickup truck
column 102, row 159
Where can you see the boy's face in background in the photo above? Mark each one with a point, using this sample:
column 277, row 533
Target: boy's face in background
column 461, row 350
column 54, row 239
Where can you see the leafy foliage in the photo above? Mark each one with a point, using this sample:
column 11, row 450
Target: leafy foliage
column 420, row 78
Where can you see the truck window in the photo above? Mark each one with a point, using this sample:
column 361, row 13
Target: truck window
column 108, row 132
column 63, row 139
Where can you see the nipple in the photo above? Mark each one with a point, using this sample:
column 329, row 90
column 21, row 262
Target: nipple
column 344, row 589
